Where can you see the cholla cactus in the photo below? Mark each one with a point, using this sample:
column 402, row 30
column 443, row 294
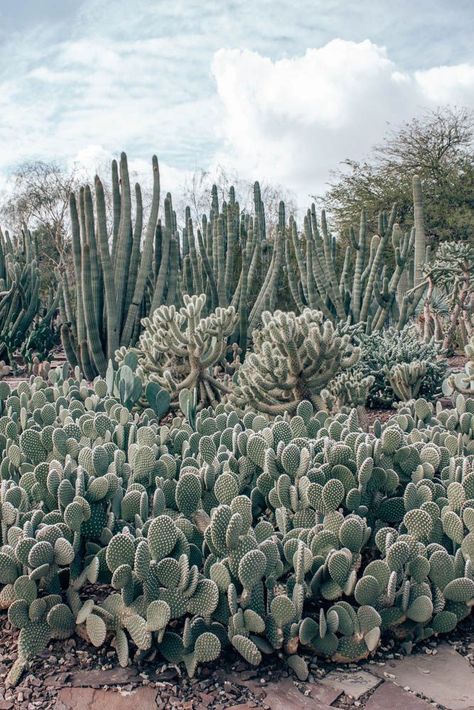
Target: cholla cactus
column 351, row 389
column 294, row 358
column 463, row 382
column 178, row 349
column 406, row 379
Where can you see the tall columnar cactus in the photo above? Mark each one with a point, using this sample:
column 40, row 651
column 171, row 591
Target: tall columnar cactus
column 234, row 262
column 294, row 358
column 111, row 287
column 420, row 237
column 365, row 289
column 235, row 258
column 19, row 291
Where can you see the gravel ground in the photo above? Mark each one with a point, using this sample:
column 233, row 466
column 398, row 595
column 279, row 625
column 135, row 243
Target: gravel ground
column 226, row 684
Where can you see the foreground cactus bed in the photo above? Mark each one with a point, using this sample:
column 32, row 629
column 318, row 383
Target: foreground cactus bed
column 303, row 534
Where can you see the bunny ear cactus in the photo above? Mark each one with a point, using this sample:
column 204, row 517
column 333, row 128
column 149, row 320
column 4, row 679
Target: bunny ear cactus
column 294, row 359
column 298, row 533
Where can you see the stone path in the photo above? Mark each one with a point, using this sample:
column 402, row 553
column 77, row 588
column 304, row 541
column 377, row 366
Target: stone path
column 443, row 677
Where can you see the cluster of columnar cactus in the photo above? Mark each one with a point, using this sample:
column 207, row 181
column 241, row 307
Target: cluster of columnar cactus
column 233, row 258
column 370, row 287
column 301, row 534
column 19, row 292
column 111, row 284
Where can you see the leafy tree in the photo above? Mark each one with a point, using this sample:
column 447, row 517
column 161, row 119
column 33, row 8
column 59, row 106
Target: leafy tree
column 439, row 147
column 40, row 202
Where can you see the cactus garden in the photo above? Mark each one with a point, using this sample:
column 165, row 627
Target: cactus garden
column 213, row 456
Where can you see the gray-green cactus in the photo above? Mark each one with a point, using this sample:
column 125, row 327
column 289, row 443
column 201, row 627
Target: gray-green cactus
column 294, row 358
column 179, row 349
column 300, row 533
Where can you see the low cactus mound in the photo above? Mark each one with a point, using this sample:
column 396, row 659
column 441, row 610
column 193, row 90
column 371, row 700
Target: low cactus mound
column 302, row 534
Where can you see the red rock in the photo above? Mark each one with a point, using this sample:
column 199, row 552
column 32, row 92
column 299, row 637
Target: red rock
column 389, row 695
column 284, row 695
column 446, row 678
column 99, row 678
column 96, row 699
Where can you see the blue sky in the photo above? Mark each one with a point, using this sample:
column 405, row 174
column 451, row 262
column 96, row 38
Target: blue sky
column 277, row 90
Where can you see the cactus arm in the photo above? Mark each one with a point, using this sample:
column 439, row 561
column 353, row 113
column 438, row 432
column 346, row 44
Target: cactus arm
column 196, row 272
column 95, row 267
column 116, row 208
column 76, row 253
column 208, row 269
column 146, row 257
column 93, row 336
column 361, row 247
column 328, row 256
column 158, row 294
column 109, row 285
column 219, row 261
column 123, row 241
column 136, row 248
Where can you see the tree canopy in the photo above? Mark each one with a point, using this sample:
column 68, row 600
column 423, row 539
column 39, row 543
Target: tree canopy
column 439, row 147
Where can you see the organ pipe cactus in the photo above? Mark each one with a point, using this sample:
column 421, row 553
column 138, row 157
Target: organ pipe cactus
column 231, row 256
column 373, row 291
column 19, row 292
column 110, row 287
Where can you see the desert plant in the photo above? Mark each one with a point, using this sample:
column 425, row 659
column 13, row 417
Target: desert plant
column 178, row 350
column 382, row 352
column 301, row 534
column 20, row 301
column 293, row 359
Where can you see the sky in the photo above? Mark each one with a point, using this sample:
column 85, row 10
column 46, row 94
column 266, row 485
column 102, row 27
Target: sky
column 266, row 89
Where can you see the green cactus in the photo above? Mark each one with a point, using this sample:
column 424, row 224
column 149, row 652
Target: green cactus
column 294, row 359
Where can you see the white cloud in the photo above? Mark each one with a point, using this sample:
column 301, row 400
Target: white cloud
column 453, row 84
column 293, row 120
column 110, row 75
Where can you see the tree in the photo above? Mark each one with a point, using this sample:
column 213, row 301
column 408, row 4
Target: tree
column 40, row 203
column 439, row 147
column 197, row 194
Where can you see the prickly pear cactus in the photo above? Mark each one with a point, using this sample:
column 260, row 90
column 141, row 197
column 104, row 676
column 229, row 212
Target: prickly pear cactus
column 298, row 534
